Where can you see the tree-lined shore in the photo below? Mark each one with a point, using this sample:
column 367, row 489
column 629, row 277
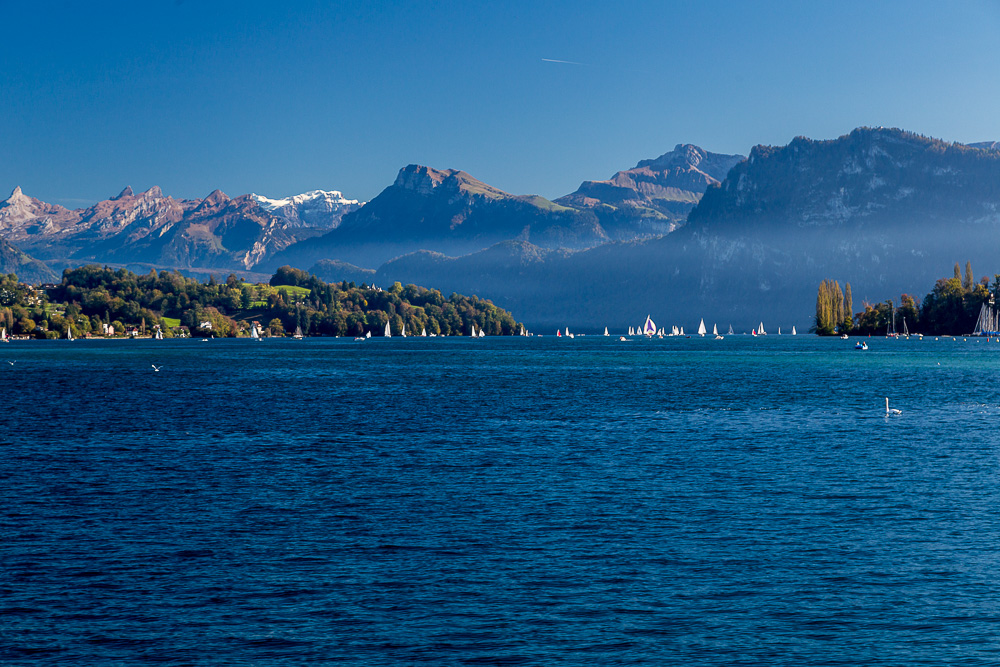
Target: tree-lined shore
column 99, row 301
column 950, row 308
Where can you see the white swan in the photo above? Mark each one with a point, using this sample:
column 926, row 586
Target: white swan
column 891, row 411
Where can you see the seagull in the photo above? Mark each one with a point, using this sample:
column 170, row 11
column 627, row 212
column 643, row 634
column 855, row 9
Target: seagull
column 157, row 369
column 892, row 411
column 12, row 362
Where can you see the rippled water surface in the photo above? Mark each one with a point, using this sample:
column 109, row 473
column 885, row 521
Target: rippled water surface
column 503, row 501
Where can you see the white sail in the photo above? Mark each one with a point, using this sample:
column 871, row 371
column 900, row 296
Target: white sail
column 715, row 329
column 482, row 333
column 3, row 334
column 730, row 329
column 701, row 328
column 253, row 332
column 69, row 334
column 423, row 332
column 760, row 331
column 779, row 331
column 298, row 333
column 158, row 335
column 605, row 331
column 793, row 330
column 630, row 332
column 388, row 333
column 682, row 332
column 474, row 331
column 368, row 334
column 649, row 328
column 567, row 331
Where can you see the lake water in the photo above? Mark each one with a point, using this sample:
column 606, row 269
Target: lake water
column 502, row 501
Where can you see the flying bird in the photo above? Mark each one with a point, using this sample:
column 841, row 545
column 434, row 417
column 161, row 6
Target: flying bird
column 156, row 368
column 12, row 362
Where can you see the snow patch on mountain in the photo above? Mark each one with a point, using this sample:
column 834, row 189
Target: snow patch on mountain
column 317, row 208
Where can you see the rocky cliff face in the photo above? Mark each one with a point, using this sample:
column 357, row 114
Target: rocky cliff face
column 654, row 197
column 869, row 178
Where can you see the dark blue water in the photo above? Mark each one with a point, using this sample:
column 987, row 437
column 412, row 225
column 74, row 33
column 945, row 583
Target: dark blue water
column 505, row 501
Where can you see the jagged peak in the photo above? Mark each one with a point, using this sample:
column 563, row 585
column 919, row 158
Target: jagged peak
column 217, row 197
column 127, row 192
column 17, row 198
column 154, row 192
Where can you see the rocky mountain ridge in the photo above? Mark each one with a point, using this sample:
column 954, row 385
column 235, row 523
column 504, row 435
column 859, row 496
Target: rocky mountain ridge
column 656, row 196
column 149, row 227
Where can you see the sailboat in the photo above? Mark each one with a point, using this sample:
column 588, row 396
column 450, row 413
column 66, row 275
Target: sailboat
column 730, row 332
column 793, row 330
column 681, row 332
column 568, row 334
column 423, row 332
column 649, row 328
column 253, row 331
column 3, row 335
column 701, row 327
column 69, row 334
column 779, row 331
column 558, row 333
column 403, row 331
column 368, row 334
column 298, row 332
column 159, row 334
column 605, row 331
column 674, row 331
column 474, row 331
column 631, row 332
column 715, row 329
column 388, row 333
column 891, row 333
column 760, row 331
column 482, row 333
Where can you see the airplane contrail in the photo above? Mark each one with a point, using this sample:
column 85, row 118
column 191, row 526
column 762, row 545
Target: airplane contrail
column 564, row 62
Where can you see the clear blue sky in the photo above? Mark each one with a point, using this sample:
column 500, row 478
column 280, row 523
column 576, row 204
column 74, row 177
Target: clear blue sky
column 279, row 98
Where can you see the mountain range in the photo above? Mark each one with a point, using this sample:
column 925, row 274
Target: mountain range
column 689, row 234
column 887, row 210
column 217, row 232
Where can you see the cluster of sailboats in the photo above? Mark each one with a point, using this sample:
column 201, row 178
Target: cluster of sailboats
column 650, row 330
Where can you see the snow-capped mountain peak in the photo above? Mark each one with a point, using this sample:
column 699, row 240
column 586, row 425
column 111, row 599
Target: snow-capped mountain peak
column 316, row 208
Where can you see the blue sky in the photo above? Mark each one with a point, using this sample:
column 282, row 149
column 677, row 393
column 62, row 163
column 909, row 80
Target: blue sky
column 262, row 97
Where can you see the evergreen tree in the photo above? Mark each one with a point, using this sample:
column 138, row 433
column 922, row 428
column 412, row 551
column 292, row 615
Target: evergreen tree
column 958, row 273
column 970, row 280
